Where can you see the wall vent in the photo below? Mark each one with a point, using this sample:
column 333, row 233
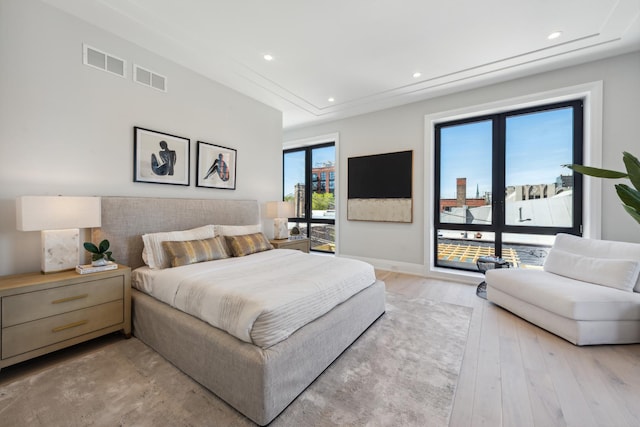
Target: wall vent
column 149, row 78
column 103, row 61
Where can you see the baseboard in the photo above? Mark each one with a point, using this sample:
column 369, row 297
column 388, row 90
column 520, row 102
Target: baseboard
column 468, row 277
column 391, row 265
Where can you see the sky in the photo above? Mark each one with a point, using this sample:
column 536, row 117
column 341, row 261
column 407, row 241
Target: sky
column 537, row 144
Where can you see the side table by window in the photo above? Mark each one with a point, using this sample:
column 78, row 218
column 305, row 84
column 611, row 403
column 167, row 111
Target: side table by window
column 485, row 263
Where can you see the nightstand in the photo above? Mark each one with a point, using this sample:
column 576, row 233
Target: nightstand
column 41, row 313
column 303, row 244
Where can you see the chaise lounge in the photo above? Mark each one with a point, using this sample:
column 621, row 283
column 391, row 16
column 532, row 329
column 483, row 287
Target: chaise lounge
column 587, row 293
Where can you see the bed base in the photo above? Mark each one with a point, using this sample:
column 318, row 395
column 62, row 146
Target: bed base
column 259, row 383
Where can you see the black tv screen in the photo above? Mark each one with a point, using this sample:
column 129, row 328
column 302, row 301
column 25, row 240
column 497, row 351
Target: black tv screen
column 380, row 176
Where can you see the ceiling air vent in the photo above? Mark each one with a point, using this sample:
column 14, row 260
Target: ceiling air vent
column 104, row 61
column 149, row 78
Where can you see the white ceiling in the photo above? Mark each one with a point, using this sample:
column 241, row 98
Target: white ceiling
column 363, row 53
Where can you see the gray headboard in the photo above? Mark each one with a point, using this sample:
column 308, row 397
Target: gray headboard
column 126, row 219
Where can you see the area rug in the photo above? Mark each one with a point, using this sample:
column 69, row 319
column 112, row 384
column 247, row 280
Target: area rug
column 402, row 371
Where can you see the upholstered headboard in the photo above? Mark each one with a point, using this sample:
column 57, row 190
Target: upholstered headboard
column 126, row 219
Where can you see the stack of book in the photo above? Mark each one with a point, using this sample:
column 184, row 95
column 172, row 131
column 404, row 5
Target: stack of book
column 88, row 268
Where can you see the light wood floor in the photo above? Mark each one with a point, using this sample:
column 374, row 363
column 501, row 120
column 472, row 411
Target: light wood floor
column 516, row 374
column 513, row 373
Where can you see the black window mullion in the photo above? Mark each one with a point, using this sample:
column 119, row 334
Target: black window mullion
column 578, row 138
column 498, row 191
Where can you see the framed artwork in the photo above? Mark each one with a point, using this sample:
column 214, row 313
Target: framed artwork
column 160, row 158
column 216, row 166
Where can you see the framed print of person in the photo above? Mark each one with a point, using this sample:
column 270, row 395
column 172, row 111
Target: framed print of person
column 160, row 158
column 216, row 166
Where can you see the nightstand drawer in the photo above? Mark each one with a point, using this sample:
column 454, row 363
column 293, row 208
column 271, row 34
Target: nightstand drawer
column 40, row 333
column 30, row 306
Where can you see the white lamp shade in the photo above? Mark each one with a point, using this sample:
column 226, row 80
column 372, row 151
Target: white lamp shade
column 36, row 213
column 279, row 210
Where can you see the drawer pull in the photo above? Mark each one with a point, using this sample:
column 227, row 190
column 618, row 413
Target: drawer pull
column 70, row 325
column 59, row 301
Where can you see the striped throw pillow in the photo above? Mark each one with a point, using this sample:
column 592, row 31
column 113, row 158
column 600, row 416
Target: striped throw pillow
column 192, row 251
column 248, row 244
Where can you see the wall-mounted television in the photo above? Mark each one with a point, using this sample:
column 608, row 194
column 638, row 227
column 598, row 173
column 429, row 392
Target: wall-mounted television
column 379, row 187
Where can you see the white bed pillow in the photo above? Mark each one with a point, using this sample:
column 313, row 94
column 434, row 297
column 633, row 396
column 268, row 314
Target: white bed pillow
column 615, row 273
column 238, row 230
column 154, row 254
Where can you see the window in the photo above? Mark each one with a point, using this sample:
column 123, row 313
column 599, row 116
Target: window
column 305, row 183
column 500, row 188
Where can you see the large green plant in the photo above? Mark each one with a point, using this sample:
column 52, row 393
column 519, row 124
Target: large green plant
column 630, row 197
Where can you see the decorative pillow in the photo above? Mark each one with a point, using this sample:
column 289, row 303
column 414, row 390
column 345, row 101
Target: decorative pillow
column 599, row 249
column 614, row 273
column 248, row 244
column 192, row 251
column 237, row 230
column 156, row 257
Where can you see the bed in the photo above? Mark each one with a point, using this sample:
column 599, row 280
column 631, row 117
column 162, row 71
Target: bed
column 258, row 382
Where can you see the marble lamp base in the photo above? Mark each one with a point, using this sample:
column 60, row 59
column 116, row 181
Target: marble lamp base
column 59, row 249
column 280, row 229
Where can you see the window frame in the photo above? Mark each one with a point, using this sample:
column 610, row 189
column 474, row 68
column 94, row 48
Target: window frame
column 498, row 225
column 309, row 181
column 591, row 93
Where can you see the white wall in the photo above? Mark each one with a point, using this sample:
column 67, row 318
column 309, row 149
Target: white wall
column 400, row 246
column 66, row 128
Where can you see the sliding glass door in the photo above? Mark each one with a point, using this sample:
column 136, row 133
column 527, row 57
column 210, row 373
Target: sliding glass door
column 500, row 188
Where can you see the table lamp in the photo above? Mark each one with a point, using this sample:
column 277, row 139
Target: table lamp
column 280, row 212
column 58, row 219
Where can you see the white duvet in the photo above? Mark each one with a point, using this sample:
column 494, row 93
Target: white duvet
column 261, row 298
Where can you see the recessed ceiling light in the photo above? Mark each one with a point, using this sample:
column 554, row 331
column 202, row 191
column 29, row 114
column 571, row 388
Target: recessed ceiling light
column 554, row 35
column 417, row 74
column 268, row 57
column 331, row 99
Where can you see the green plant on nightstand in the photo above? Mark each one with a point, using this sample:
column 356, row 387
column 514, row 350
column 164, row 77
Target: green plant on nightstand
column 100, row 255
column 630, row 197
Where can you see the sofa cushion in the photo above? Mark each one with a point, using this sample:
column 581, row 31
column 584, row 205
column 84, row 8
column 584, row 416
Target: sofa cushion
column 563, row 296
column 615, row 273
column 599, row 249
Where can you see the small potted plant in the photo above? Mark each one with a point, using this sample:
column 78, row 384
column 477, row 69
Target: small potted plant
column 100, row 255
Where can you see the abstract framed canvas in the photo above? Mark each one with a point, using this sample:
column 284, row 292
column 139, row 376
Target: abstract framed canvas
column 160, row 158
column 216, row 166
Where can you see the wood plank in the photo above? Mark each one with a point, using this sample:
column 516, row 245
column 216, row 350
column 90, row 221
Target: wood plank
column 543, row 400
column 487, row 402
column 516, row 409
column 575, row 408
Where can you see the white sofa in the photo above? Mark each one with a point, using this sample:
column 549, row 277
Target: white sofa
column 588, row 291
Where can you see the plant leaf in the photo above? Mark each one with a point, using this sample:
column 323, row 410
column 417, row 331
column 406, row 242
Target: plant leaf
column 633, row 168
column 633, row 212
column 597, row 172
column 90, row 247
column 104, row 245
column 628, row 196
column 109, row 257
